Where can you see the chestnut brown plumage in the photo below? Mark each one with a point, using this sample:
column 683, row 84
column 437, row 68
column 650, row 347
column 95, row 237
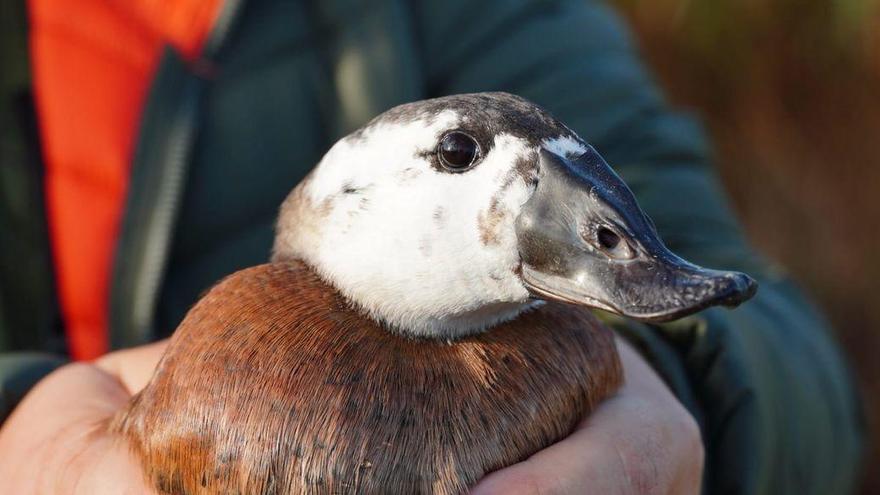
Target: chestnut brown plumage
column 273, row 384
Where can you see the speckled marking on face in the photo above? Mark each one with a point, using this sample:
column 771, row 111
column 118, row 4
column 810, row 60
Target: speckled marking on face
column 423, row 249
column 491, row 218
column 439, row 217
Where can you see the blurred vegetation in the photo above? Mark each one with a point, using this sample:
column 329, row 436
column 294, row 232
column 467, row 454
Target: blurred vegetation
column 790, row 90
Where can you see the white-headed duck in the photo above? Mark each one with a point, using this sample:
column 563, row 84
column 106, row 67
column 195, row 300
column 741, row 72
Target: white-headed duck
column 424, row 319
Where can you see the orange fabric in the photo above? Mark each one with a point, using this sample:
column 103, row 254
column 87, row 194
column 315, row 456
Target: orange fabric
column 92, row 63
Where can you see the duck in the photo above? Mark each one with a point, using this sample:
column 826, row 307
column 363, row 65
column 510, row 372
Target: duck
column 426, row 317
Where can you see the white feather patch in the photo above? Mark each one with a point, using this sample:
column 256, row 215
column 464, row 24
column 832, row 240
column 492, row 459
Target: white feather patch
column 567, row 146
column 408, row 243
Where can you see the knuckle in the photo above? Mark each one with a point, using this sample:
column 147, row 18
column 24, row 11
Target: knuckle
column 681, row 428
column 688, row 470
column 639, row 463
column 689, row 429
column 655, row 459
column 690, row 435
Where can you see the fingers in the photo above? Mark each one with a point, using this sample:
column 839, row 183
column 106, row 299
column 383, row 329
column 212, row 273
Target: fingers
column 133, row 367
column 51, row 424
column 642, row 441
column 604, row 457
column 107, row 467
column 56, row 440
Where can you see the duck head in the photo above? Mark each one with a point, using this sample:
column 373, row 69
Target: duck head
column 443, row 217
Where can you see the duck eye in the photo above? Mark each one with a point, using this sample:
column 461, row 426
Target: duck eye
column 607, row 238
column 458, row 151
column 610, row 242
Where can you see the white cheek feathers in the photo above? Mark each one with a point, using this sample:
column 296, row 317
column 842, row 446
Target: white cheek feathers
column 425, row 251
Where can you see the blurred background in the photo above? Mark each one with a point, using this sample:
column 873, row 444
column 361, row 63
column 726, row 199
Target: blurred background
column 790, row 90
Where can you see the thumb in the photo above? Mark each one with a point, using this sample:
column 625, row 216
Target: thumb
column 133, row 367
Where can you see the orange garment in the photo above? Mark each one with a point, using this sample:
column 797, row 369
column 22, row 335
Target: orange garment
column 93, row 61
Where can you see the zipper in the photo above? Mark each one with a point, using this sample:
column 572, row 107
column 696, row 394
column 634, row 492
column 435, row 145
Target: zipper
column 157, row 240
column 157, row 181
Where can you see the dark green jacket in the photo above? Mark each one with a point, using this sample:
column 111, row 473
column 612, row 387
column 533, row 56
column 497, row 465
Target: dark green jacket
column 217, row 154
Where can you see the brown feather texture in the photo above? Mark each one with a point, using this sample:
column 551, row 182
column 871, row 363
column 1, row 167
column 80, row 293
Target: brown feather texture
column 273, row 384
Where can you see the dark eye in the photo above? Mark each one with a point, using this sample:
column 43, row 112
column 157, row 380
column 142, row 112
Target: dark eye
column 458, row 151
column 607, row 238
column 608, row 241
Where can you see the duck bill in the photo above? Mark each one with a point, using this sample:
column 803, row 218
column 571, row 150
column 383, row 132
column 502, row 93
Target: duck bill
column 584, row 240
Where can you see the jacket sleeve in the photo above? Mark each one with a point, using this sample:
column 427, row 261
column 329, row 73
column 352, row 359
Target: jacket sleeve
column 766, row 381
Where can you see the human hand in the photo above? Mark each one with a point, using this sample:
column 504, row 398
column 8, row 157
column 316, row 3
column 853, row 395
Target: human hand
column 640, row 441
column 56, row 440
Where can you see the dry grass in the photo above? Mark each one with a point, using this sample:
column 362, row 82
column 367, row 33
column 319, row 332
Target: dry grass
column 790, row 90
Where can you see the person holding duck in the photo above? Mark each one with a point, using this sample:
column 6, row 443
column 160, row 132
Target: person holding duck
column 505, row 206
